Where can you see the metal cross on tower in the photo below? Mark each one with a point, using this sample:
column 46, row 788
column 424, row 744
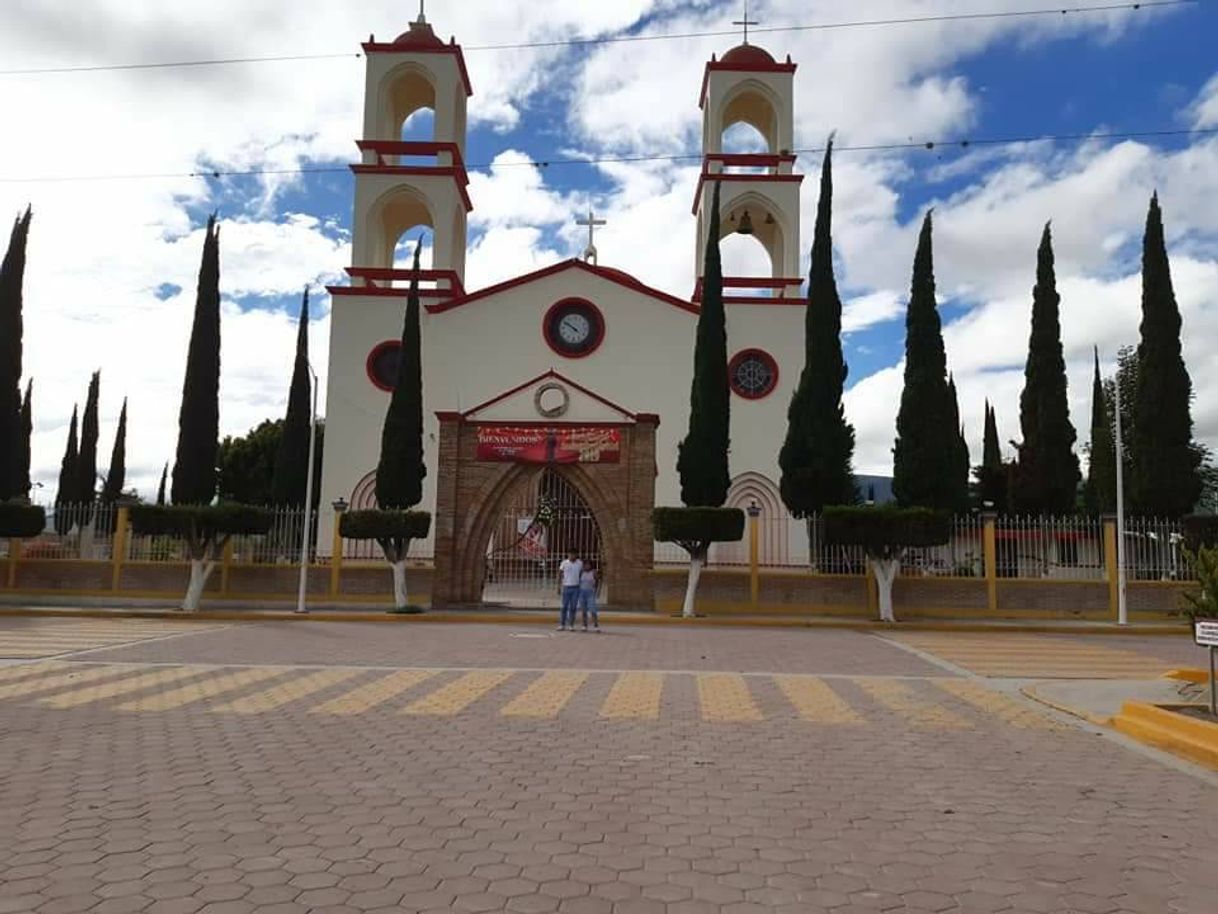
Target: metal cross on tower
column 746, row 21
column 592, row 223
column 422, row 15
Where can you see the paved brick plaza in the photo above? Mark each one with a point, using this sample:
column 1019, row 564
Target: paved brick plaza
column 286, row 767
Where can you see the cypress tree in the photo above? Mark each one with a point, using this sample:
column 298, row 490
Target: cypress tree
column 400, row 473
column 160, row 492
column 817, row 454
column 194, row 470
column 27, row 432
column 1046, row 481
column 992, row 473
column 961, row 469
column 925, row 471
column 13, row 482
column 702, row 461
column 1101, row 472
column 290, row 477
column 65, row 495
column 116, row 475
column 1166, row 481
column 86, row 465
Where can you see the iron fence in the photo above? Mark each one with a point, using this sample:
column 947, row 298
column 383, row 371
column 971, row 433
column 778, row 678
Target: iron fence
column 1027, row 547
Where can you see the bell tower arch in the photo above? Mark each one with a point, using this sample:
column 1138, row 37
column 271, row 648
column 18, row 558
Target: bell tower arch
column 759, row 190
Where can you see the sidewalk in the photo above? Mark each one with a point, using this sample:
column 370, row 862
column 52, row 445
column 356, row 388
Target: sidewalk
column 321, row 611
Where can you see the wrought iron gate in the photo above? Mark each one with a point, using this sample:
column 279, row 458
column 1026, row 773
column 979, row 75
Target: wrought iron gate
column 547, row 522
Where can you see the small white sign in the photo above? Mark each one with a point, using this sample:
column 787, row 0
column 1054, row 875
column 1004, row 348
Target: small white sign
column 1205, row 632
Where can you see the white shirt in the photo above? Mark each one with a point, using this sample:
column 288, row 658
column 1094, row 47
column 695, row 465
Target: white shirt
column 570, row 571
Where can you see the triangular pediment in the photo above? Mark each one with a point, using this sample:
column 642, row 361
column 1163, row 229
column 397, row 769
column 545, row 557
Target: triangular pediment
column 550, row 397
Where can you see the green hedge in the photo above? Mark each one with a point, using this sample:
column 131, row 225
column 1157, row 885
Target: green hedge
column 21, row 520
column 204, row 521
column 886, row 527
column 698, row 525
column 1200, row 530
column 379, row 525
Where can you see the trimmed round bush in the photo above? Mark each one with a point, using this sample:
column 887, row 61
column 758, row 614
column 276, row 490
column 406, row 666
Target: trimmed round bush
column 202, row 521
column 1200, row 530
column 882, row 528
column 380, row 525
column 698, row 525
column 20, row 520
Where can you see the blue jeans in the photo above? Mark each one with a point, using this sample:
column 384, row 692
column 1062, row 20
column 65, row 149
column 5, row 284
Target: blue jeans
column 570, row 599
column 587, row 602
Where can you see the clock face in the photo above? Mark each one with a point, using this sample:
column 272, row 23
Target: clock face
column 574, row 328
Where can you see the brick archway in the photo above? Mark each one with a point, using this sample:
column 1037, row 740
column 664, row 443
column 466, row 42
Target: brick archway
column 472, row 496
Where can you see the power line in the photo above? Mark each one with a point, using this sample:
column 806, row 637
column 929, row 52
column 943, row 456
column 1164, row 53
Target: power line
column 622, row 39
column 929, row 145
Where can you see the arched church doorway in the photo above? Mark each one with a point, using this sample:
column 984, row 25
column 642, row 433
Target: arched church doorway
column 544, row 522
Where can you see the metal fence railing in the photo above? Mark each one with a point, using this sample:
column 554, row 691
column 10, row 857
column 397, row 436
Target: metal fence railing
column 1036, row 548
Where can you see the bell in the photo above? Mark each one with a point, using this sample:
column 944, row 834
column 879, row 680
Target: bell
column 769, row 218
column 746, row 224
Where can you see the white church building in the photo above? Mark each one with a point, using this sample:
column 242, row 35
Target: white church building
column 553, row 368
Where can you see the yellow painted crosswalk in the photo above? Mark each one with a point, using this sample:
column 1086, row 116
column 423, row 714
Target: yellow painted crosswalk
column 520, row 695
column 546, row 696
column 459, row 694
column 1034, row 656
column 814, row 700
column 725, row 697
column 31, row 639
column 634, row 695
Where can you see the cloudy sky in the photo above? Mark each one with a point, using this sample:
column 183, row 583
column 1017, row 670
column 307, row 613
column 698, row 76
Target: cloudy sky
column 106, row 159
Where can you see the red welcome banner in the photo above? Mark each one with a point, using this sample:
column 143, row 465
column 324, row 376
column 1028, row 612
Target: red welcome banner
column 565, row 444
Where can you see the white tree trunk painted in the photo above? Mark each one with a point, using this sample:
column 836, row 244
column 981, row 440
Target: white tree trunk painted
column 200, row 571
column 885, row 573
column 399, row 584
column 691, row 588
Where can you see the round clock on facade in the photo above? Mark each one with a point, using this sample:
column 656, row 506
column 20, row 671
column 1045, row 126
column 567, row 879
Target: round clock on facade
column 753, row 374
column 574, row 327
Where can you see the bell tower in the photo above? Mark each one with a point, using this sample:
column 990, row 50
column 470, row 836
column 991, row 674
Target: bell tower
column 400, row 184
column 759, row 191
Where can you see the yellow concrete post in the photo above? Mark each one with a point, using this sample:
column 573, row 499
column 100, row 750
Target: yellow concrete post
column 336, row 553
column 118, row 547
column 14, row 557
column 1110, row 566
column 226, row 563
column 989, row 539
column 754, row 556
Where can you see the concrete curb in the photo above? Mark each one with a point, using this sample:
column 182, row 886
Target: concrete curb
column 546, row 618
column 1158, row 726
column 1031, row 691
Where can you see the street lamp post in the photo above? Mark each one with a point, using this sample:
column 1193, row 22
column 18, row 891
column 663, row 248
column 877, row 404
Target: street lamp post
column 1122, row 607
column 308, row 507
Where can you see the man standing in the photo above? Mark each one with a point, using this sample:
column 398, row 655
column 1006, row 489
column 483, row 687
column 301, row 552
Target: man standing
column 569, row 570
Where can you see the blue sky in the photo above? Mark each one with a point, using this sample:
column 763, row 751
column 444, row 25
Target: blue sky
column 113, row 262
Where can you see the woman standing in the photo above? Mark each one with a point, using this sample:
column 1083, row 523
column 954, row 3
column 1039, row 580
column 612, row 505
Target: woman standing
column 588, row 584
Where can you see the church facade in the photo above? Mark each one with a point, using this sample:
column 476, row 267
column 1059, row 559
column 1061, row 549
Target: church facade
column 564, row 391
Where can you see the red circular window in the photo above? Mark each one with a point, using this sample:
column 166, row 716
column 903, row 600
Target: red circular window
column 382, row 364
column 753, row 374
column 574, row 327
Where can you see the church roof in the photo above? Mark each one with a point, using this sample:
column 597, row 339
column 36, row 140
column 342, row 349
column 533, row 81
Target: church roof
column 748, row 55
column 609, row 274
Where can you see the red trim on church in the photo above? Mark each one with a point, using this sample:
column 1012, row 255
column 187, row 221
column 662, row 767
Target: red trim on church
column 754, row 282
column 741, row 67
column 550, row 375
column 457, row 174
column 384, row 47
column 611, row 275
column 743, row 178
